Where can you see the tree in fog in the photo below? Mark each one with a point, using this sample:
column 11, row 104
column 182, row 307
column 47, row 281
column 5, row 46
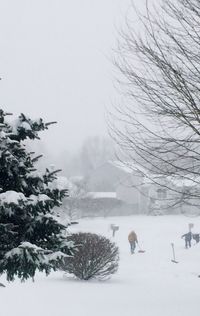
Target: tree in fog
column 72, row 204
column 94, row 152
column 158, row 124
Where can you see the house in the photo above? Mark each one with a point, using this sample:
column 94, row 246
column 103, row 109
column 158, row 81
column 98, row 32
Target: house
column 125, row 181
column 159, row 196
column 172, row 195
column 143, row 192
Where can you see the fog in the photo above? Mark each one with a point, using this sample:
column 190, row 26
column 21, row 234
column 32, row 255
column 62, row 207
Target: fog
column 55, row 63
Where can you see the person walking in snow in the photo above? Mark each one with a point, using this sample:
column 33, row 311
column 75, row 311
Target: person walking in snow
column 132, row 238
column 188, row 238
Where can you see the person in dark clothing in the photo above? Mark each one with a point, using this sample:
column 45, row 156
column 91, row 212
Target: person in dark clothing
column 188, row 238
column 196, row 237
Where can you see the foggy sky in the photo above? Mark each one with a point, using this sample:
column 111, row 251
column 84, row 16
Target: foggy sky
column 55, row 62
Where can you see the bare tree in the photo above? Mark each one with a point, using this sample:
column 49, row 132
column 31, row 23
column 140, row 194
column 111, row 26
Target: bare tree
column 77, row 191
column 95, row 151
column 159, row 125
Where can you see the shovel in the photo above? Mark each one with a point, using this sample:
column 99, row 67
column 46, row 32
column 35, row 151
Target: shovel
column 140, row 250
column 173, row 251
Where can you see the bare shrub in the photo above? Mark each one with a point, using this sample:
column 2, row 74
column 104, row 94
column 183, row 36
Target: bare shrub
column 94, row 256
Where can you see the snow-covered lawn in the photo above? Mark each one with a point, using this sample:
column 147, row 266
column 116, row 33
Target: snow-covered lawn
column 147, row 284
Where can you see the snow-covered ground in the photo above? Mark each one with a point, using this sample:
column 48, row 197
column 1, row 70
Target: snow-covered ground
column 147, row 284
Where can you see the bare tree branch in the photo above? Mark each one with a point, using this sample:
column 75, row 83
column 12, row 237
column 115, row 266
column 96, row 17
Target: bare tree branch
column 158, row 128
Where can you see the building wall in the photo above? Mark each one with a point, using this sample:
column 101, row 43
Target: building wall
column 127, row 194
column 104, row 178
column 128, row 186
column 132, row 192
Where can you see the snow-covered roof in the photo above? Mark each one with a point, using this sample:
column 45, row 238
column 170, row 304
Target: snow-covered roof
column 127, row 167
column 184, row 182
column 100, row 195
column 155, row 179
column 174, row 180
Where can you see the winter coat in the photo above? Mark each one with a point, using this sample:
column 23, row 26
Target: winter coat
column 132, row 237
column 187, row 236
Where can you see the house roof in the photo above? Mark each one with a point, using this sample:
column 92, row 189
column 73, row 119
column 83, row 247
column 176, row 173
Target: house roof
column 176, row 181
column 184, row 181
column 100, row 195
column 127, row 167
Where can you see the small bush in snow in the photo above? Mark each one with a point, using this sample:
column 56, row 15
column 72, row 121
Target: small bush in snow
column 94, row 256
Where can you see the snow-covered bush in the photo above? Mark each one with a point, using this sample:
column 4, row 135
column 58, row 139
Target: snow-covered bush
column 94, row 256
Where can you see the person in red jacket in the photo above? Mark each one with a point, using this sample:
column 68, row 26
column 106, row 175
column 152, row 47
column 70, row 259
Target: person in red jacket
column 132, row 238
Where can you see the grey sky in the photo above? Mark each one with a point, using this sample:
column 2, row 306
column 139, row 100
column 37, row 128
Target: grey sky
column 54, row 61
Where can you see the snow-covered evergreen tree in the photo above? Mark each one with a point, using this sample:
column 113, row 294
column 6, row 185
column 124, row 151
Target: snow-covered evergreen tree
column 31, row 236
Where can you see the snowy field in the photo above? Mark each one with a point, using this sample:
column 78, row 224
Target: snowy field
column 147, row 284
